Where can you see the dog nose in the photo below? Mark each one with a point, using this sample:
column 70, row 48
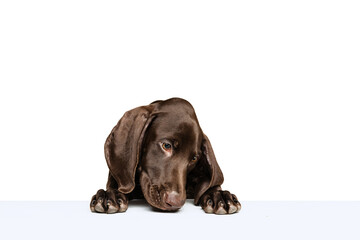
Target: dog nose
column 173, row 200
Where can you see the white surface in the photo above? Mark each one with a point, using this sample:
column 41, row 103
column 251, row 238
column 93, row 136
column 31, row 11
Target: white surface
column 275, row 85
column 257, row 220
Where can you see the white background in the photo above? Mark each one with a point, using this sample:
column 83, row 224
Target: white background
column 275, row 85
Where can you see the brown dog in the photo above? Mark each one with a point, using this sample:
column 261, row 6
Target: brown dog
column 160, row 152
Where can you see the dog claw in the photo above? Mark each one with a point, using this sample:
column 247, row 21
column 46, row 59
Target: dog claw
column 232, row 208
column 221, row 211
column 99, row 208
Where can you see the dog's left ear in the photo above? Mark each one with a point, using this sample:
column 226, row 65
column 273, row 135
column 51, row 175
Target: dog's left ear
column 208, row 171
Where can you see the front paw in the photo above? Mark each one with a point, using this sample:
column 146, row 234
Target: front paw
column 220, row 202
column 110, row 201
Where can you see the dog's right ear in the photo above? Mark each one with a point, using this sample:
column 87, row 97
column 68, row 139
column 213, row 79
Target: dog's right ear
column 207, row 171
column 123, row 146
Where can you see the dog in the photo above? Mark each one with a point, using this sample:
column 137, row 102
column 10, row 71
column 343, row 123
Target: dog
column 159, row 152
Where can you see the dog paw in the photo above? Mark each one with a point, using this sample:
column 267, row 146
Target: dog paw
column 110, row 201
column 220, row 202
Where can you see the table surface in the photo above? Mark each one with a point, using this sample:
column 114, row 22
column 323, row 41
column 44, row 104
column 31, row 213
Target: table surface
column 256, row 220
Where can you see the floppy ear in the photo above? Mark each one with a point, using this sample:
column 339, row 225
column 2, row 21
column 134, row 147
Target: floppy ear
column 208, row 171
column 123, row 146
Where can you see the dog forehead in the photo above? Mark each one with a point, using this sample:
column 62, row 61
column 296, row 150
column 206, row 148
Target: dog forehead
column 175, row 118
column 176, row 124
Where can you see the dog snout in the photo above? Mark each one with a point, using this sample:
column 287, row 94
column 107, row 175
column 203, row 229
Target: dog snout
column 173, row 200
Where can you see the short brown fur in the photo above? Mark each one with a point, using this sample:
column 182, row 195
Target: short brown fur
column 140, row 167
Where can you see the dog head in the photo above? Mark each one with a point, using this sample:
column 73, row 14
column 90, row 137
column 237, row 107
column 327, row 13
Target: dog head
column 163, row 141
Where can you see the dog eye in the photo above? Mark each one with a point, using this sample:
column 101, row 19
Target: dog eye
column 166, row 146
column 195, row 158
